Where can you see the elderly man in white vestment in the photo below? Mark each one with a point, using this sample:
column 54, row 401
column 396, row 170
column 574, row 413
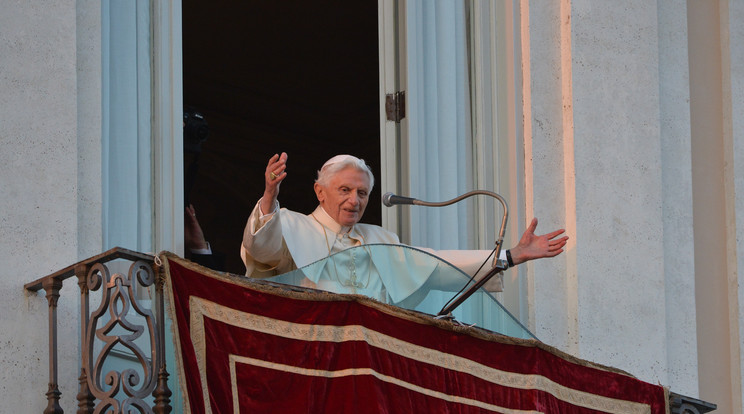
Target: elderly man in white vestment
column 277, row 241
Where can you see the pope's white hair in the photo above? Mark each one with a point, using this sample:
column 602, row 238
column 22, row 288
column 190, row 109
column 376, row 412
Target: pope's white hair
column 342, row 162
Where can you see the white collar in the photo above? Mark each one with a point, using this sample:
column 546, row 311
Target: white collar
column 326, row 220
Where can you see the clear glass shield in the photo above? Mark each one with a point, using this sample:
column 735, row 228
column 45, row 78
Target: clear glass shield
column 407, row 277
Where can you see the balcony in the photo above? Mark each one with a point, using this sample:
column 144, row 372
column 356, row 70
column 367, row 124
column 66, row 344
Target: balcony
column 123, row 336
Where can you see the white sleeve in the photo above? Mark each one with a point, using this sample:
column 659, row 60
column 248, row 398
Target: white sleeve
column 263, row 249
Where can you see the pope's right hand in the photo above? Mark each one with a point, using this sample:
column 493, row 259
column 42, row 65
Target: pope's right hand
column 273, row 176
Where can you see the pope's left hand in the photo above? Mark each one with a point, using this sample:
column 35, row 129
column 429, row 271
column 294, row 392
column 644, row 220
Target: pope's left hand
column 532, row 246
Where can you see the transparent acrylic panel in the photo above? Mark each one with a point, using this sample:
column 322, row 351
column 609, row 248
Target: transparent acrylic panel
column 406, row 277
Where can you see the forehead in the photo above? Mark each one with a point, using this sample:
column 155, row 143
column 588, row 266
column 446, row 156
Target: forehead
column 350, row 177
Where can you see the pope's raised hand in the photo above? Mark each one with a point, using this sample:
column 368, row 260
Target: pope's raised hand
column 273, row 176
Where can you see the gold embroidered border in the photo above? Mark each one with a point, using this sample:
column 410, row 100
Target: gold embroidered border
column 201, row 308
column 237, row 359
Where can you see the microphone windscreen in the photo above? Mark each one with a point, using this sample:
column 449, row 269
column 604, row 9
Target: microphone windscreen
column 386, row 199
column 390, row 199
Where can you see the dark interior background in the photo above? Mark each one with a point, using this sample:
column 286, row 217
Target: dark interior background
column 273, row 76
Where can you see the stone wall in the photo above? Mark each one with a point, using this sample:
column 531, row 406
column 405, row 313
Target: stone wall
column 50, row 184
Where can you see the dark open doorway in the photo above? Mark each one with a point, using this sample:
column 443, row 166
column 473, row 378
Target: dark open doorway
column 273, row 76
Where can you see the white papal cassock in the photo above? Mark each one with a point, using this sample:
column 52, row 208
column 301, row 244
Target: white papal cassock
column 284, row 240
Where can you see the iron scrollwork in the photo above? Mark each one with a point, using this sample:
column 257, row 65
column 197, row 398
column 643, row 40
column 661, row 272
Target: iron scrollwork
column 118, row 331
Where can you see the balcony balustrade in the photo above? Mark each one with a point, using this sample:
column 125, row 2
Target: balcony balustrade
column 124, row 319
column 121, row 322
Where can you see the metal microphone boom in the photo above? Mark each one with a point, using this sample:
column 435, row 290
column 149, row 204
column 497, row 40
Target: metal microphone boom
column 390, row 199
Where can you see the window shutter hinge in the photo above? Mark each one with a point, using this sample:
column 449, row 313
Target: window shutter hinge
column 395, row 106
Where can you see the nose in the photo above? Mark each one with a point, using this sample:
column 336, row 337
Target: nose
column 355, row 200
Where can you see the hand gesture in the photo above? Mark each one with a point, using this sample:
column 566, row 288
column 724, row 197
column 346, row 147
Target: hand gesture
column 274, row 175
column 532, row 246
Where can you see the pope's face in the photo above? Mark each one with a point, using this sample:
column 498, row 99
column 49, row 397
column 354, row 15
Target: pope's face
column 346, row 196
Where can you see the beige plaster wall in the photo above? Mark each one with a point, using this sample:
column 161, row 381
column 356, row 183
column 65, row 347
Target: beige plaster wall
column 735, row 67
column 618, row 165
column 610, row 157
column 549, row 168
column 48, row 120
column 679, row 276
column 714, row 194
column 645, row 172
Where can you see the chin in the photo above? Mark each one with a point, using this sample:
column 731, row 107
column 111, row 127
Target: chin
column 350, row 222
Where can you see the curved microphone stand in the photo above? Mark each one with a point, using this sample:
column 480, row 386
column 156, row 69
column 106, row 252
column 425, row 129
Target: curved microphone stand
column 389, row 199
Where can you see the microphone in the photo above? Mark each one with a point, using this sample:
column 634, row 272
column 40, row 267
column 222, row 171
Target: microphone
column 390, row 199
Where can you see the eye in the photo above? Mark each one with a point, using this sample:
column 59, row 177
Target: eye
column 343, row 190
column 363, row 193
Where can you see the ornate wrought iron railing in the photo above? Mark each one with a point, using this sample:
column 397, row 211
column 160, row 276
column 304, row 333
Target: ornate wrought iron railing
column 141, row 387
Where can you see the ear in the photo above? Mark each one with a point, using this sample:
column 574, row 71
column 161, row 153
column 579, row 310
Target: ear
column 319, row 192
